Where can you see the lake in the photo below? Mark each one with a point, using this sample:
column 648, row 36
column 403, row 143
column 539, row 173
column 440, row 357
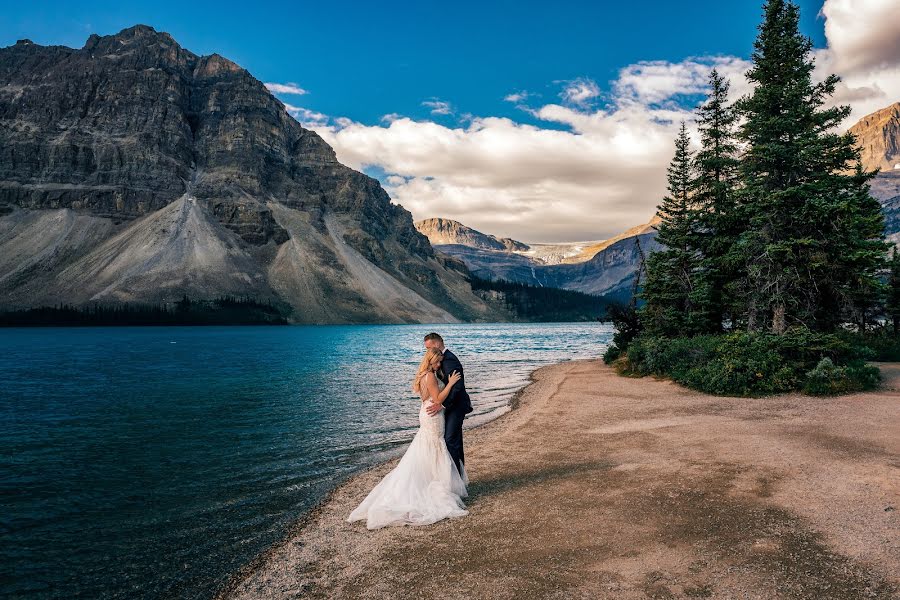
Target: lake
column 147, row 462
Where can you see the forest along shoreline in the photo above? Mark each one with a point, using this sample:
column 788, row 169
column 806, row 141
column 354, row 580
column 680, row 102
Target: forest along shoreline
column 606, row 486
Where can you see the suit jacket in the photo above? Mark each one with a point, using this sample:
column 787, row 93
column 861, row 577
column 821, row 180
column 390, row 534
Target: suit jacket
column 458, row 398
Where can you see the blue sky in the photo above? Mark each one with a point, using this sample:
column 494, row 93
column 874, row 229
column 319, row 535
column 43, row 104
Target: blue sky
column 541, row 121
column 363, row 60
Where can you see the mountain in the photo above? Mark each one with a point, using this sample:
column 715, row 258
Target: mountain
column 446, row 231
column 592, row 250
column 600, row 268
column 132, row 170
column 878, row 136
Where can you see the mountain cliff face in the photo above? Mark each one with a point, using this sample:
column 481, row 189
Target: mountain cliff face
column 878, row 136
column 447, row 231
column 134, row 170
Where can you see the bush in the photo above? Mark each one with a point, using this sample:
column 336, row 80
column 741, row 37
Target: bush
column 627, row 322
column 884, row 345
column 754, row 364
column 612, row 354
column 828, row 379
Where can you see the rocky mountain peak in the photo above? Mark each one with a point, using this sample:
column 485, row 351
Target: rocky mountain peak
column 125, row 125
column 215, row 65
column 136, row 137
column 440, row 231
column 878, row 136
column 142, row 39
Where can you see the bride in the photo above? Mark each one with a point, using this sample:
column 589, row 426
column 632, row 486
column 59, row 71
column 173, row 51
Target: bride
column 425, row 486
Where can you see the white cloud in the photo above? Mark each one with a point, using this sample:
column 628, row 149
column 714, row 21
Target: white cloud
column 310, row 118
column 605, row 170
column 286, row 88
column 517, row 97
column 601, row 175
column 438, row 107
column 653, row 82
column 580, row 91
column 863, row 35
column 864, row 49
column 509, row 178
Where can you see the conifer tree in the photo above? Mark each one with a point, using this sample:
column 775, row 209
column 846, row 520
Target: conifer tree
column 807, row 213
column 676, row 291
column 892, row 305
column 714, row 187
column 857, row 242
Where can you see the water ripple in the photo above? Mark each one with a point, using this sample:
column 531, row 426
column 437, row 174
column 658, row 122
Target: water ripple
column 132, row 467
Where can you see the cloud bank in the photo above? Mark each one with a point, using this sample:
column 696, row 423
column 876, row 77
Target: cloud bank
column 286, row 88
column 593, row 164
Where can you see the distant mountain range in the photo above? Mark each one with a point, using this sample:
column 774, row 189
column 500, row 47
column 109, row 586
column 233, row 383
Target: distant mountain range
column 132, row 170
column 603, row 268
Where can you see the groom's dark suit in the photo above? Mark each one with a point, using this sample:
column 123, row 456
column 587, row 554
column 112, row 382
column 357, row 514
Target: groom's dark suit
column 456, row 406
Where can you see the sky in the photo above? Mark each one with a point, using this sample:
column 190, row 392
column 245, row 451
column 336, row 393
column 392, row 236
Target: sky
column 541, row 121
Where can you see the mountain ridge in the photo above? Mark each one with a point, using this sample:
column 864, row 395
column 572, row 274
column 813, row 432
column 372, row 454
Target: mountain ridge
column 607, row 271
column 132, row 124
column 878, row 137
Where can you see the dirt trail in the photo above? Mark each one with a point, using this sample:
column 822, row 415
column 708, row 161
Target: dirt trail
column 599, row 486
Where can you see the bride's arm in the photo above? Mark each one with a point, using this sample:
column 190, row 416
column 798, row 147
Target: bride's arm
column 431, row 382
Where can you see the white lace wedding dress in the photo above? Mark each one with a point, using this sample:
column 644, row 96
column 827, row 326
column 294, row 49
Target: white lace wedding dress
column 423, row 488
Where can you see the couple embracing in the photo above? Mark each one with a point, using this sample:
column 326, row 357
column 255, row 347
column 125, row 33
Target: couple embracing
column 430, row 481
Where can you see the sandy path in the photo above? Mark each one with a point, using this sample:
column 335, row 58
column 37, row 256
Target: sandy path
column 599, row 486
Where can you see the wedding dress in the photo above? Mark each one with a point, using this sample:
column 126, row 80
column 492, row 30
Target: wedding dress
column 423, row 488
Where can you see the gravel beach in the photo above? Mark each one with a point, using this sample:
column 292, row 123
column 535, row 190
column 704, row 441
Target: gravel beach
column 600, row 486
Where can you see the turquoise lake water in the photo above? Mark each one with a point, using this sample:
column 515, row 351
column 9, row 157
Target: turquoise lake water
column 152, row 462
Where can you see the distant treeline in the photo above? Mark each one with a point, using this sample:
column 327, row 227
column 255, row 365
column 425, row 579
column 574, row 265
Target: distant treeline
column 543, row 304
column 225, row 310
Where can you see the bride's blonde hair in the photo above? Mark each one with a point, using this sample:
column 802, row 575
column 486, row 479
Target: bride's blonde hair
column 424, row 367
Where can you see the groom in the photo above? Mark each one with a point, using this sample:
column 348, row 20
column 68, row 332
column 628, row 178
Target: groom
column 457, row 404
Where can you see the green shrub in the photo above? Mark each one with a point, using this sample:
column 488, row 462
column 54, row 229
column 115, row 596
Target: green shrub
column 612, row 354
column 753, row 364
column 828, row 379
column 672, row 357
column 863, row 376
column 882, row 343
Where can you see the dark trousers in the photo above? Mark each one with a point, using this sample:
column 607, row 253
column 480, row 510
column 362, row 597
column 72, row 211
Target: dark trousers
column 453, row 436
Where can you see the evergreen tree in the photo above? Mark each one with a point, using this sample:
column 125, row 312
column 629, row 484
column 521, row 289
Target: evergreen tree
column 714, row 186
column 676, row 290
column 857, row 240
column 807, row 213
column 892, row 306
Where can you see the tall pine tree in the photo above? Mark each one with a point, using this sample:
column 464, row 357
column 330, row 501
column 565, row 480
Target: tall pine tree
column 676, row 290
column 714, row 187
column 808, row 238
column 892, row 305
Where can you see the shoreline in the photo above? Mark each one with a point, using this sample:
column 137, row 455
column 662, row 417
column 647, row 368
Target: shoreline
column 602, row 486
column 234, row 581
